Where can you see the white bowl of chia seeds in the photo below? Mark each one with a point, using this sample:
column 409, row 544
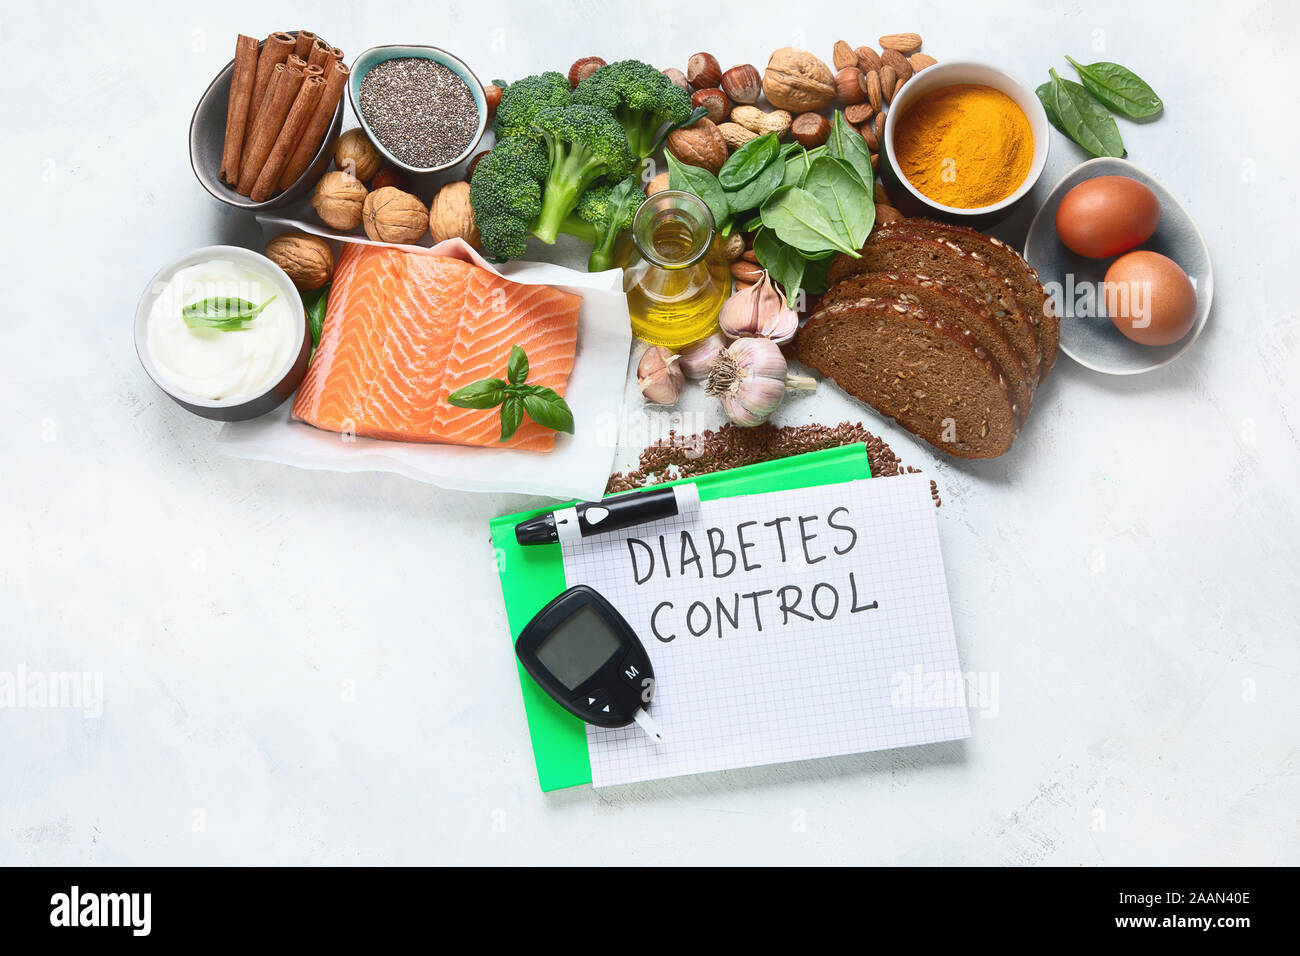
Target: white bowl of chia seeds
column 423, row 108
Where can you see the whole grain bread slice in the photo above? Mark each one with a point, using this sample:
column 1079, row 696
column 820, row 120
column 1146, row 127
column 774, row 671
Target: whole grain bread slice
column 1030, row 294
column 899, row 252
column 951, row 305
column 916, row 368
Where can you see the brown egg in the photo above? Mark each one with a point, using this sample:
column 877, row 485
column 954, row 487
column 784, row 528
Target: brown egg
column 1107, row 216
column 1149, row 298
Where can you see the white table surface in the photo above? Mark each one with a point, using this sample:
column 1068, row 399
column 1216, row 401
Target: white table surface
column 302, row 667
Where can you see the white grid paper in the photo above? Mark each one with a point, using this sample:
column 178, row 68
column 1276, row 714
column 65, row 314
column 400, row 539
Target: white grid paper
column 796, row 691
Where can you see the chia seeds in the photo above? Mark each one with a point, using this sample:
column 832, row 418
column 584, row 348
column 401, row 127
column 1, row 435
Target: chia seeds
column 420, row 111
column 688, row 456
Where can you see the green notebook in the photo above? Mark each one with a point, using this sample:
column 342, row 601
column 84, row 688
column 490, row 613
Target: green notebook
column 532, row 576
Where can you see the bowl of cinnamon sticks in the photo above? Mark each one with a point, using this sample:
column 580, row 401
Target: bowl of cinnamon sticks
column 264, row 130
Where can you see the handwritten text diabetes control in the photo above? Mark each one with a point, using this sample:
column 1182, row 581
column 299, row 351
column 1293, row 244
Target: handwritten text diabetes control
column 801, row 539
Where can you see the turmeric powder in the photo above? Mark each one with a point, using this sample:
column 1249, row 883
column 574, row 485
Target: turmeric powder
column 966, row 145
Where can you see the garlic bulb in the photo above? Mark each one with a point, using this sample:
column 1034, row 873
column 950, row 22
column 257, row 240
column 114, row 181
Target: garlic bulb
column 696, row 360
column 750, row 379
column 759, row 310
column 659, row 376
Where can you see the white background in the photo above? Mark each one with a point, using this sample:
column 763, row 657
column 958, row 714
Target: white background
column 307, row 667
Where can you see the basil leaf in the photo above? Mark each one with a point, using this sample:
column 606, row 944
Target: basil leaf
column 799, row 220
column 849, row 204
column 1119, row 88
column 548, row 409
column 222, row 313
column 517, row 366
column 748, row 161
column 702, row 183
column 756, row 192
column 1084, row 120
column 512, row 414
column 783, row 263
column 846, row 144
column 314, row 302
column 489, row 393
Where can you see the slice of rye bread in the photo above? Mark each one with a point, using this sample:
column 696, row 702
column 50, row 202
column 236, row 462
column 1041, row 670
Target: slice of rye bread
column 1030, row 294
column 941, row 259
column 916, row 368
column 954, row 306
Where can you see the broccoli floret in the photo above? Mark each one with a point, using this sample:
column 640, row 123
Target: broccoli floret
column 606, row 210
column 522, row 100
column 506, row 195
column 583, row 143
column 641, row 98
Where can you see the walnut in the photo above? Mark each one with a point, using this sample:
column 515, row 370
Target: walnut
column 338, row 200
column 699, row 145
column 355, row 154
column 797, row 81
column 391, row 215
column 307, row 260
column 451, row 216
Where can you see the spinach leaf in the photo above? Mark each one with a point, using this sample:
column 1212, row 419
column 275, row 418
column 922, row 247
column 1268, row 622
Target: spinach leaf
column 846, row 144
column 704, row 184
column 755, row 193
column 799, row 219
column 222, row 313
column 783, row 263
column 747, row 162
column 1119, row 88
column 797, row 165
column 1084, row 120
column 1048, row 99
column 816, row 275
column 849, row 204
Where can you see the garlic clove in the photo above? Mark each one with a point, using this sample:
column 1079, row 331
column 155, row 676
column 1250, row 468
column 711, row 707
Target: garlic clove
column 659, row 376
column 759, row 310
column 695, row 360
column 739, row 315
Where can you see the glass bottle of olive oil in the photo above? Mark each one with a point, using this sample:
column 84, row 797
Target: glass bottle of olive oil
column 677, row 279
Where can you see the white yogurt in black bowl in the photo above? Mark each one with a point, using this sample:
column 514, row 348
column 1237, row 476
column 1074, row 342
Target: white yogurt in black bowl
column 223, row 332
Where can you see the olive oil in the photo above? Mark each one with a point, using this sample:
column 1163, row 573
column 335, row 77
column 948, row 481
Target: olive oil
column 676, row 285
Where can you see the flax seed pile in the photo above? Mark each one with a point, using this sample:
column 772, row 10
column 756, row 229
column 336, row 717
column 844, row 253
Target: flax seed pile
column 686, row 456
column 420, row 110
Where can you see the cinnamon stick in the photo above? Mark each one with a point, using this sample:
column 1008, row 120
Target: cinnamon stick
column 336, row 55
column 305, row 39
column 335, row 80
column 304, row 104
column 320, row 51
column 279, row 97
column 275, row 50
column 242, row 80
column 314, row 71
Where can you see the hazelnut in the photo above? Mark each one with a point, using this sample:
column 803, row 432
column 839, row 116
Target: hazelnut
column 678, row 78
column 850, row 85
column 810, row 130
column 703, row 71
column 492, row 93
column 699, row 145
column 887, row 214
column 473, row 164
column 843, row 55
column 743, row 84
column 390, row 176
column 658, row 184
column 355, row 154
column 583, row 68
column 390, row 215
column 451, row 216
column 338, row 200
column 715, row 101
column 307, row 260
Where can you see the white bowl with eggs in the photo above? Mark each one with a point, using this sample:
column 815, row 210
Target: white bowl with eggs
column 230, row 375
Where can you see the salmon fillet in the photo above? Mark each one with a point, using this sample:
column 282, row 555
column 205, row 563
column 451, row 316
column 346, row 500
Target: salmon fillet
column 403, row 330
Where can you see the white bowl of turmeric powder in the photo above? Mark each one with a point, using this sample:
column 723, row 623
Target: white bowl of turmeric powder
column 964, row 142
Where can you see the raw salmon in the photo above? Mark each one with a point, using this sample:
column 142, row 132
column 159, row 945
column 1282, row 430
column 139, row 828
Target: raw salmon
column 404, row 330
